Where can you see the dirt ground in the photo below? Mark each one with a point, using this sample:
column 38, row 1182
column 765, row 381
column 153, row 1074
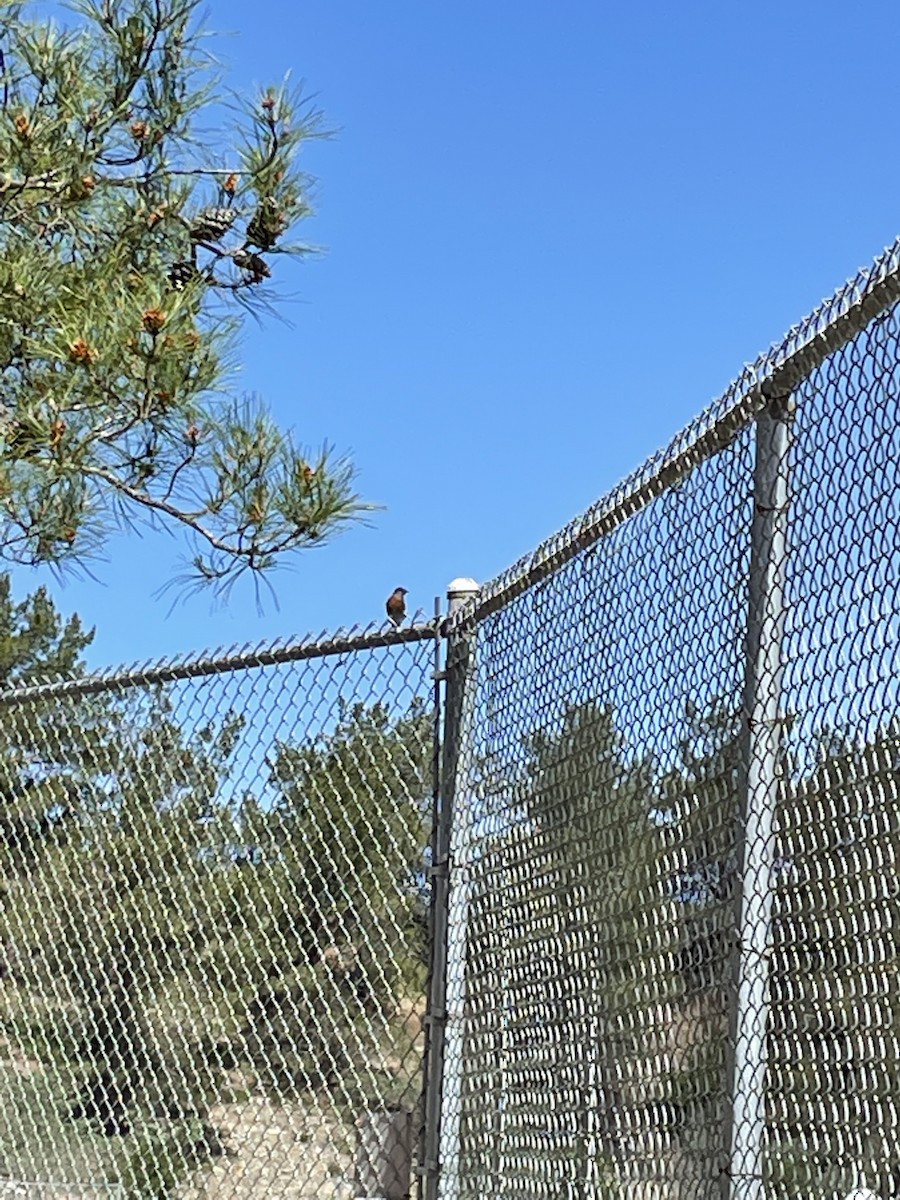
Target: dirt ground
column 290, row 1151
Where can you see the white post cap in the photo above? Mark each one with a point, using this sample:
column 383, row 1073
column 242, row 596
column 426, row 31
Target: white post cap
column 459, row 591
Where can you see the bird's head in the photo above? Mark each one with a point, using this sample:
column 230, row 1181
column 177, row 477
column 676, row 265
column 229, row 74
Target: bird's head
column 400, row 591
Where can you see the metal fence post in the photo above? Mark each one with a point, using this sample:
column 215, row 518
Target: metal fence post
column 454, row 675
column 758, row 801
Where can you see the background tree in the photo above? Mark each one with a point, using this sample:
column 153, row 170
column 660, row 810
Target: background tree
column 835, row 1006
column 341, row 853
column 698, row 800
column 103, row 916
column 124, row 244
column 833, row 957
column 590, row 803
column 569, row 906
column 35, row 645
column 603, row 905
column 165, row 938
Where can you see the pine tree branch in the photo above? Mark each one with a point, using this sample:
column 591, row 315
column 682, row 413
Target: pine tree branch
column 190, row 519
column 111, row 297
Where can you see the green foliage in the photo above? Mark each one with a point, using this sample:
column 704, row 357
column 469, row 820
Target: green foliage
column 834, row 896
column 836, row 967
column 569, row 907
column 124, row 243
column 344, row 843
column 361, row 796
column 163, row 941
column 592, row 806
column 607, row 886
column 109, row 907
column 35, row 644
column 160, row 1158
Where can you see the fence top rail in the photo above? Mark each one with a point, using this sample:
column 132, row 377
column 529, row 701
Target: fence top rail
column 268, row 654
column 777, row 372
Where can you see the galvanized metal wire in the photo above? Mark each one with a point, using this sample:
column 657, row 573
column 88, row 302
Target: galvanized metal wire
column 636, row 937
column 776, row 372
column 674, row 908
column 214, row 929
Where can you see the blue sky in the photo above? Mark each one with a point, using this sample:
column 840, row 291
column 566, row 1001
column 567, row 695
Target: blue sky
column 554, row 234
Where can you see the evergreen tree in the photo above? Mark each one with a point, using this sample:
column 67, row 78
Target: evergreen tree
column 590, row 804
column 834, row 962
column 105, row 819
column 834, row 1057
column 124, row 243
column 699, row 797
column 165, row 936
column 35, row 645
column 569, row 909
column 340, row 935
column 104, row 915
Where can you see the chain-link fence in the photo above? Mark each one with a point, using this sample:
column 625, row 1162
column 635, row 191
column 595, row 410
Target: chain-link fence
column 627, row 926
column 214, row 926
column 674, row 947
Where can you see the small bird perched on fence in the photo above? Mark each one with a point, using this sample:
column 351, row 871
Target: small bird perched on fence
column 396, row 605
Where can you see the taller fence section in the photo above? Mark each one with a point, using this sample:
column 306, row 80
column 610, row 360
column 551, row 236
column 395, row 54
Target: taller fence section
column 674, row 936
column 214, row 924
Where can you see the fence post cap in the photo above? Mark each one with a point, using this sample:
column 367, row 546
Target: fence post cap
column 462, row 588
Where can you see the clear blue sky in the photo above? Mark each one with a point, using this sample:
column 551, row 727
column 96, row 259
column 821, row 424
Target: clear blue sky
column 554, row 233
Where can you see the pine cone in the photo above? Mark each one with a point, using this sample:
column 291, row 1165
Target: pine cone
column 180, row 274
column 211, row 224
column 257, row 267
column 266, row 225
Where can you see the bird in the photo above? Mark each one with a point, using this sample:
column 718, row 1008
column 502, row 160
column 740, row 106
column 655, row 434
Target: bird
column 396, row 606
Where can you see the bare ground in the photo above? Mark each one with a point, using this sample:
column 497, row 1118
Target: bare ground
column 293, row 1151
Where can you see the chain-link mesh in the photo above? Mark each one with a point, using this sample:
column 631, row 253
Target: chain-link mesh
column 594, row 826
column 674, row 907
column 213, row 935
column 834, row 1047
column 671, row 795
column 11, row 1189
